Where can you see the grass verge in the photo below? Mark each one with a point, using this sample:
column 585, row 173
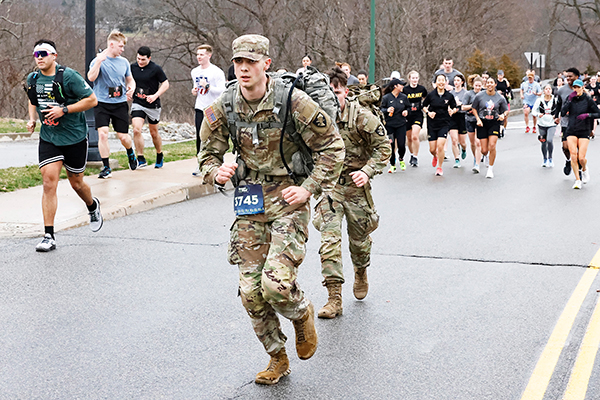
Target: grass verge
column 10, row 125
column 15, row 178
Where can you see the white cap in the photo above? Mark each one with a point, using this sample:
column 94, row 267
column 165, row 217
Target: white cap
column 395, row 75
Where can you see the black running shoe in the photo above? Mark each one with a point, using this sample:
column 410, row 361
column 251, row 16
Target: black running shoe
column 133, row 164
column 567, row 168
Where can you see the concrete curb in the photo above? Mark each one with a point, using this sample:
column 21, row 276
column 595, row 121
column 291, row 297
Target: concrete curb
column 126, row 193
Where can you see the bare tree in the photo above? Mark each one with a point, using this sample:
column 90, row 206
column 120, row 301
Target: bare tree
column 585, row 22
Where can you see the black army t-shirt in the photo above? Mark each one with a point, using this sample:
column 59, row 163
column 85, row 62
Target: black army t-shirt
column 147, row 80
column 415, row 95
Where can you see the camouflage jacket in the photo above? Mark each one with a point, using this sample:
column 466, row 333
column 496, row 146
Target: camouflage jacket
column 367, row 145
column 313, row 124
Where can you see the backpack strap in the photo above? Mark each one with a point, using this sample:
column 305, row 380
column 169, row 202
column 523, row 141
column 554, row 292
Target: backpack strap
column 232, row 117
column 31, row 89
column 58, row 85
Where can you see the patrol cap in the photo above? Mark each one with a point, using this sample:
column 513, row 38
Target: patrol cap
column 578, row 82
column 253, row 47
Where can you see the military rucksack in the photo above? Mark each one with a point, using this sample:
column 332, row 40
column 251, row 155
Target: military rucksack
column 316, row 85
column 369, row 97
column 57, row 86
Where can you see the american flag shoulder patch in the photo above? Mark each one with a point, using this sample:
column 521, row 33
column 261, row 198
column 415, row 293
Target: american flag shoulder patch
column 210, row 116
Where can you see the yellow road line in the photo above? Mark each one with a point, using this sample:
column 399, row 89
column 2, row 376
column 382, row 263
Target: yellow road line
column 580, row 377
column 538, row 383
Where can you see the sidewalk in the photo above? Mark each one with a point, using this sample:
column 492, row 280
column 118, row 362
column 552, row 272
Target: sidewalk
column 127, row 192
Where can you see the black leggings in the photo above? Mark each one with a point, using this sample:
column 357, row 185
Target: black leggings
column 397, row 134
column 198, row 121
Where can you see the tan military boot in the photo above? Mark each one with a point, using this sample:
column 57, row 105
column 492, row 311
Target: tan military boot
column 361, row 284
column 333, row 308
column 306, row 335
column 278, row 367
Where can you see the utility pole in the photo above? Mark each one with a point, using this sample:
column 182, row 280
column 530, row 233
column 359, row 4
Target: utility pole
column 372, row 52
column 90, row 53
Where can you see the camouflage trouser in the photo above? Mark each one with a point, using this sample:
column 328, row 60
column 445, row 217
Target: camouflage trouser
column 362, row 219
column 268, row 255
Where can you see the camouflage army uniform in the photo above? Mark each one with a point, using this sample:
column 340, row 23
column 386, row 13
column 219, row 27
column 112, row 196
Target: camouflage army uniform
column 269, row 247
column 367, row 149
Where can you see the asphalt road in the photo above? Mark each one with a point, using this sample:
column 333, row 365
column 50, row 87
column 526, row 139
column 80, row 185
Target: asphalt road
column 469, row 277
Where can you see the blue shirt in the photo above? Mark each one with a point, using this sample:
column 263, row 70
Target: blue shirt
column 529, row 91
column 111, row 77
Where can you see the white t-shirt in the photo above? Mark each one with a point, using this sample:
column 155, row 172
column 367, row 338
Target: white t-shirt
column 216, row 81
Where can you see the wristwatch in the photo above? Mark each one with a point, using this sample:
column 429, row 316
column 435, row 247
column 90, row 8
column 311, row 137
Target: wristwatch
column 65, row 110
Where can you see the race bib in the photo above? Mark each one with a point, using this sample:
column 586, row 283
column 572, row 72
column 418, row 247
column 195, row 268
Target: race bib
column 115, row 91
column 248, row 200
column 141, row 93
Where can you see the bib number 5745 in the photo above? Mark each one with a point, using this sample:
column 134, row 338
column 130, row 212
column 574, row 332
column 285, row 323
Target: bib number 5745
column 248, row 200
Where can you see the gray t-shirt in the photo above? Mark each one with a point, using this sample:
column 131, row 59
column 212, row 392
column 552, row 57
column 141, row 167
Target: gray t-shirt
column 469, row 97
column 449, row 75
column 111, row 86
column 563, row 93
column 489, row 107
column 460, row 98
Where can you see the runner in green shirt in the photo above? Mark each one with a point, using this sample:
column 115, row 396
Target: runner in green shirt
column 59, row 104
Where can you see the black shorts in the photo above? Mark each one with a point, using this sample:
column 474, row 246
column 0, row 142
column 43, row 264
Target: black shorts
column 414, row 119
column 489, row 128
column 118, row 113
column 434, row 134
column 73, row 157
column 471, row 126
column 458, row 122
column 579, row 135
column 142, row 114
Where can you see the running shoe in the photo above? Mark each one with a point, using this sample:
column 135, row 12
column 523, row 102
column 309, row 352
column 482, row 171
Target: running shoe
column 577, row 185
column 456, row 163
column 105, row 173
column 413, row 161
column 47, row 244
column 96, row 219
column 527, row 130
column 402, row 166
column 434, row 162
column 475, row 169
column 159, row 161
column 585, row 176
column 534, row 131
column 463, row 152
column 133, row 164
column 485, row 160
column 545, row 164
column 196, row 172
column 567, row 168
column 439, row 172
column 416, row 163
column 550, row 163
column 392, row 169
column 142, row 162
column 489, row 174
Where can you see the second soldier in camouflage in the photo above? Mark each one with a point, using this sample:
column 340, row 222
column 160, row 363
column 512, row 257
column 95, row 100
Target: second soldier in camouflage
column 367, row 153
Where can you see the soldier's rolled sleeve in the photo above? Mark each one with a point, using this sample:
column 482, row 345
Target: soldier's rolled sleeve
column 328, row 146
column 374, row 133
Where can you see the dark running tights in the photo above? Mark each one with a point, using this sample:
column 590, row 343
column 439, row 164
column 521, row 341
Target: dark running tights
column 398, row 136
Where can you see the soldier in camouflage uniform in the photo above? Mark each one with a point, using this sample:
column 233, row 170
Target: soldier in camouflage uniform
column 269, row 246
column 367, row 152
